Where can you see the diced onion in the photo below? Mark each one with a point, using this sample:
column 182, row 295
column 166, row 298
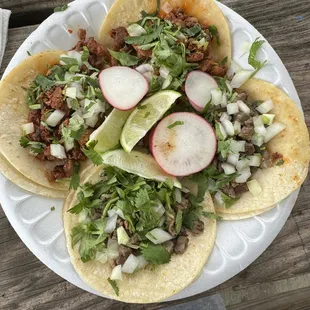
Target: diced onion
column 76, row 55
column 240, row 78
column 122, row 237
column 223, row 131
column 145, row 68
column 167, row 82
column 232, row 108
column 28, row 128
column 112, row 249
column 237, row 146
column 164, row 72
column 218, row 198
column 68, row 76
column 229, row 127
column 102, row 257
column 117, row 273
column 158, row 236
column 92, row 121
column 83, row 217
column 159, row 209
column 254, row 160
column 58, row 151
column 229, row 87
column 237, row 127
column 257, row 140
column 166, row 7
column 135, row 30
column 268, row 119
column 228, row 169
column 131, row 264
column 258, row 121
column 242, row 164
column 216, row 95
column 111, row 212
column 265, row 107
column 254, row 187
column 273, row 130
column 224, row 100
column 111, row 224
column 225, row 116
column 233, row 159
column 69, row 144
column 71, row 92
column 142, row 262
column 244, row 175
column 243, row 107
column 260, row 130
column 148, row 76
column 178, row 195
column 120, row 213
column 55, row 118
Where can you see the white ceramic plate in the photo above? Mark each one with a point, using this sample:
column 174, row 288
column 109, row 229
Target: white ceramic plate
column 238, row 243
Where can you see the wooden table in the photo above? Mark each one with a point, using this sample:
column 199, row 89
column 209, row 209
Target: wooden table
column 279, row 279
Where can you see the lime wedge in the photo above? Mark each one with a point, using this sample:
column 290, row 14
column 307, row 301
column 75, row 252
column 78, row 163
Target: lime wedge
column 143, row 117
column 138, row 163
column 109, row 133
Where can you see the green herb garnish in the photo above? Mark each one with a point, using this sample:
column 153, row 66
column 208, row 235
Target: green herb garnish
column 177, row 123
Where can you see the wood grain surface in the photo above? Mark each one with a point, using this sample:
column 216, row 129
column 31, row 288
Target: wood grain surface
column 278, row 279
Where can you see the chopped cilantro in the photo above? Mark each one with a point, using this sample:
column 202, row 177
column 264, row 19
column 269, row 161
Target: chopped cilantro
column 52, row 208
column 147, row 38
column 61, row 8
column 177, row 123
column 114, row 286
column 280, row 162
column 211, row 215
column 124, row 58
column 28, row 53
column 224, row 61
column 193, row 31
column 223, row 147
column 178, row 222
column 256, row 64
column 214, row 31
column 75, row 179
column 156, row 254
column 85, row 54
column 24, row 142
column 44, row 82
column 228, row 201
column 147, row 114
column 92, row 154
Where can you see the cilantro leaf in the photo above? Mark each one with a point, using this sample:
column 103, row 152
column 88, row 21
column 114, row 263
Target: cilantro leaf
column 52, row 208
column 211, row 215
column 193, row 31
column 23, row 141
column 124, row 58
column 85, row 54
column 75, row 179
column 44, row 82
column 280, row 162
column 228, row 201
column 189, row 218
column 178, row 222
column 147, row 38
column 156, row 254
column 214, row 31
column 256, row 64
column 223, row 147
column 142, row 198
column 114, row 286
column 61, row 8
column 177, row 123
column 92, row 154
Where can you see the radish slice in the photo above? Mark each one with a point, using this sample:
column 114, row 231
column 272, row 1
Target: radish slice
column 187, row 147
column 123, row 87
column 198, row 87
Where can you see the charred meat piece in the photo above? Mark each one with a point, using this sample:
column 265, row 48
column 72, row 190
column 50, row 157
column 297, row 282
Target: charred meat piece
column 190, row 22
column 142, row 53
column 45, row 134
column 209, row 66
column 54, row 98
column 48, row 155
column 169, row 246
column 36, row 135
column 229, row 191
column 96, row 48
column 57, row 173
column 119, row 35
column 246, row 132
column 249, row 148
column 171, row 225
column 184, row 205
column 240, row 189
column 124, row 252
column 96, row 62
column 181, row 245
column 241, row 117
column 68, row 168
column 198, row 227
column 76, row 154
column 242, row 95
column 81, row 34
column 34, row 117
column 85, row 137
column 195, row 57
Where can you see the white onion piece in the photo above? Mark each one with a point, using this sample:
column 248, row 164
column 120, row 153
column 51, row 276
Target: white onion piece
column 228, row 169
column 225, row 116
column 218, row 198
column 71, row 92
column 164, row 72
column 92, row 121
column 27, row 128
column 159, row 209
column 233, row 159
column 167, row 82
column 260, row 130
column 148, row 76
column 145, row 68
column 102, row 257
column 79, row 89
column 254, row 187
column 223, row 131
column 122, row 237
column 243, row 107
column 58, row 151
column 237, row 127
column 131, row 264
column 268, row 119
column 158, row 236
column 242, row 164
column 254, row 160
column 55, row 118
column 245, row 174
column 237, row 146
column 117, row 273
column 120, row 213
column 258, row 121
column 216, row 96
column 232, row 108
column 111, row 224
column 112, row 249
column 240, row 78
column 135, row 30
column 229, row 87
column 178, row 195
column 273, row 130
column 265, row 107
column 83, row 217
column 166, row 7
column 224, row 100
column 142, row 262
column 229, row 127
column 258, row 140
column 111, row 212
column 76, row 55
column 69, row 144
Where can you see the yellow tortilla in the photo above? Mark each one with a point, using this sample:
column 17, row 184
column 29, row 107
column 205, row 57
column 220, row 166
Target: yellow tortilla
column 124, row 12
column 13, row 175
column 144, row 286
column 277, row 182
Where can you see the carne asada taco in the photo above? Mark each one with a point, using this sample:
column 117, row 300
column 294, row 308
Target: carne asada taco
column 49, row 106
column 134, row 239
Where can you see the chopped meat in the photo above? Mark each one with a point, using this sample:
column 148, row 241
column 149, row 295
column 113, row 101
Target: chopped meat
column 68, row 168
column 54, row 98
column 241, row 117
column 170, row 223
column 85, row 137
column 198, row 227
column 249, row 148
column 179, row 13
column 96, row 62
column 249, row 122
column 113, row 62
column 143, row 53
column 58, row 173
column 119, row 35
column 209, row 66
column 47, row 154
column 96, row 48
column 191, row 22
column 76, row 154
column 242, row 95
column 35, row 136
column 181, row 245
column 46, row 135
column 79, row 46
column 135, row 239
column 206, row 65
column 229, row 191
column 40, row 156
column 169, row 246
column 195, row 57
column 126, row 225
column 124, row 252
column 96, row 213
column 246, row 132
column 218, row 70
column 240, row 189
column 184, row 205
column 183, row 232
column 276, row 157
column 81, row 34
column 34, row 117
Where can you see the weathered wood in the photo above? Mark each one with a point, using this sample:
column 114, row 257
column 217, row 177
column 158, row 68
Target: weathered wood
column 279, row 279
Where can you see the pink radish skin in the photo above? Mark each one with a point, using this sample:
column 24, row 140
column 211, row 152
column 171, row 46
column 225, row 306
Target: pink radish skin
column 198, row 87
column 123, row 87
column 184, row 149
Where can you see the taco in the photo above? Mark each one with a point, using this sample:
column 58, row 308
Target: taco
column 174, row 36
column 134, row 239
column 50, row 104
